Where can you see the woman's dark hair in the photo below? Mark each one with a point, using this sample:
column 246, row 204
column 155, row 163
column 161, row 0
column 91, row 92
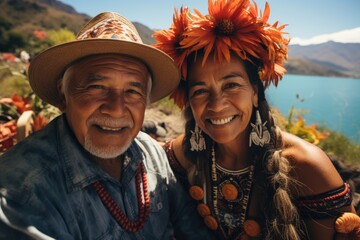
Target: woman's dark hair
column 271, row 169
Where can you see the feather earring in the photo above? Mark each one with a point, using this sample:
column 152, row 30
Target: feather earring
column 197, row 140
column 259, row 134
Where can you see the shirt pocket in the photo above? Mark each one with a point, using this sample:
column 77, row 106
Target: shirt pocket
column 159, row 217
column 158, row 198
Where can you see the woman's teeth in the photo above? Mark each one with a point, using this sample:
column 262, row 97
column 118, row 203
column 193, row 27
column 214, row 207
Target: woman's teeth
column 221, row 121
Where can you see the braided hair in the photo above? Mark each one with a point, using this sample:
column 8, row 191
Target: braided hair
column 271, row 173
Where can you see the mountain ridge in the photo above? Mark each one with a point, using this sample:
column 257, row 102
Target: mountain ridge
column 324, row 59
column 340, row 57
column 26, row 16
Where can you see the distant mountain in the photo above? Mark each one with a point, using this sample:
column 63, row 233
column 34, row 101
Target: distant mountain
column 25, row 16
column 145, row 33
column 304, row 67
column 343, row 58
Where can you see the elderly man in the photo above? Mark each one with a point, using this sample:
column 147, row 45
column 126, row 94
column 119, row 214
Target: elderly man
column 90, row 173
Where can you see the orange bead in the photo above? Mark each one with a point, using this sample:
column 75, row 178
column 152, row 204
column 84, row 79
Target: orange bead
column 211, row 222
column 196, row 192
column 347, row 223
column 203, row 209
column 229, row 191
column 243, row 237
column 252, row 228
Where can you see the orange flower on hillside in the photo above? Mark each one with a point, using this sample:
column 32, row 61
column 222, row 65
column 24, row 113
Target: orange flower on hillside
column 39, row 122
column 41, row 35
column 21, row 103
column 7, row 135
column 300, row 129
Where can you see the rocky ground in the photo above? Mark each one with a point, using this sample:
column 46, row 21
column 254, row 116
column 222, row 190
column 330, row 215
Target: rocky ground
column 163, row 124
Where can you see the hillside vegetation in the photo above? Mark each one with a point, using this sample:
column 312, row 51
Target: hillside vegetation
column 26, row 16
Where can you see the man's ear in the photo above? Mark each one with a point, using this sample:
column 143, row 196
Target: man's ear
column 60, row 88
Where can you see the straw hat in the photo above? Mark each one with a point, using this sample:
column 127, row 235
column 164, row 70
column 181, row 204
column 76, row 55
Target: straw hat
column 107, row 32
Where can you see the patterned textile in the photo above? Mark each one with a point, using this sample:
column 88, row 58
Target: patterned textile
column 324, row 205
column 232, row 211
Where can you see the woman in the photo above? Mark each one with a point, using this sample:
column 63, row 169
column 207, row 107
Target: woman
column 252, row 180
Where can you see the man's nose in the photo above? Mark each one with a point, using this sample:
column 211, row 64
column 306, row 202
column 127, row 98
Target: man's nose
column 114, row 103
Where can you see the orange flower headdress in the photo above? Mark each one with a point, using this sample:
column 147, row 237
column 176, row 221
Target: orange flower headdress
column 231, row 26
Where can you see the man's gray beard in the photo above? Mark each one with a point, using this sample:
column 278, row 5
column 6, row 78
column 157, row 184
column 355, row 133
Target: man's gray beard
column 105, row 152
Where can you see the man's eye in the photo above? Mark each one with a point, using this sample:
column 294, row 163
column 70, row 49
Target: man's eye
column 96, row 90
column 134, row 94
column 132, row 91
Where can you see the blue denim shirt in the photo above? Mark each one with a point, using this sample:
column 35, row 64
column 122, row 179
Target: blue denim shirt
column 46, row 191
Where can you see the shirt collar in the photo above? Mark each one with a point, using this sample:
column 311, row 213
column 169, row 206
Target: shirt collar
column 80, row 171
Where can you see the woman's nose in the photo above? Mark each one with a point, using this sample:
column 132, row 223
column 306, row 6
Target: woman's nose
column 216, row 102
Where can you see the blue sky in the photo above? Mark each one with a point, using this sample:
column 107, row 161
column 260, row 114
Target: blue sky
column 305, row 18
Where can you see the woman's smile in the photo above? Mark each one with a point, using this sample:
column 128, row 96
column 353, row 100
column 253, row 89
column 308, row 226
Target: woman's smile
column 221, row 121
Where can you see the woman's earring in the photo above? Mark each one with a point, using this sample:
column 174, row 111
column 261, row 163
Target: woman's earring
column 259, row 134
column 197, row 140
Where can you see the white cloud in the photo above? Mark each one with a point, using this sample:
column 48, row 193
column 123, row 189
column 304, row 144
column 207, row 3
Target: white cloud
column 345, row 36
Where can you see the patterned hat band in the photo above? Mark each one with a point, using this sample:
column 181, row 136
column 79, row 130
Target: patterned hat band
column 111, row 29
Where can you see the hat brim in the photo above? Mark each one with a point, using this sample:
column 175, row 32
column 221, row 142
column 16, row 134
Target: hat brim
column 47, row 67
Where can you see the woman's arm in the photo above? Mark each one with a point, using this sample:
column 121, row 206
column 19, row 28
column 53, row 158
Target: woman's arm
column 316, row 176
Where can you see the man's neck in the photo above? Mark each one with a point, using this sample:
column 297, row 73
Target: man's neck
column 112, row 166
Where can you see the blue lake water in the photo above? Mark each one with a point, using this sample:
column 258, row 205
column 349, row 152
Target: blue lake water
column 332, row 102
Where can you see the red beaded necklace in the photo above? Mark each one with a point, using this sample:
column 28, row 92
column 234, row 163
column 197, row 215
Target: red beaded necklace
column 143, row 203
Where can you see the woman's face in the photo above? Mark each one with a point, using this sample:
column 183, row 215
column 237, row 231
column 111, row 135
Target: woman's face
column 222, row 99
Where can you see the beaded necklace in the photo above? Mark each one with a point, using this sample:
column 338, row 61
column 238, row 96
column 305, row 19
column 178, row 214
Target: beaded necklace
column 229, row 195
column 143, row 203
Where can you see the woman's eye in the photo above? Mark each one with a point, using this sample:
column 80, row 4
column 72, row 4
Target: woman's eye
column 95, row 87
column 231, row 85
column 198, row 92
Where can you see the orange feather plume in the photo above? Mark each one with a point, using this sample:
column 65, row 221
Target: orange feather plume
column 230, row 26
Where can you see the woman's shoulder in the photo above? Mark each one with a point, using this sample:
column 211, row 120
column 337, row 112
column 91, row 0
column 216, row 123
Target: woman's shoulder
column 299, row 151
column 178, row 148
column 311, row 166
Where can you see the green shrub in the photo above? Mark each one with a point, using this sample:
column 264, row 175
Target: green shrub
column 16, row 83
column 341, row 147
column 10, row 41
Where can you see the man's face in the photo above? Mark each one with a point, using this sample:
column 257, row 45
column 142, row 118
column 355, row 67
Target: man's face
column 105, row 97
